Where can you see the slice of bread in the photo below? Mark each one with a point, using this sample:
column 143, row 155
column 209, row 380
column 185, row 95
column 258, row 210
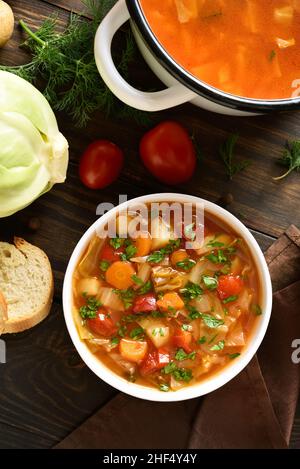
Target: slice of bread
column 26, row 283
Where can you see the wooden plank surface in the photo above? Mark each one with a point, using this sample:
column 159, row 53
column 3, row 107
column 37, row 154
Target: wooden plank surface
column 46, row 391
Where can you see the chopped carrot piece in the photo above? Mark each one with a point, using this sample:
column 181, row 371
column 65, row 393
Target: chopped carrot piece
column 133, row 350
column 143, row 246
column 170, row 300
column 119, row 275
column 179, row 256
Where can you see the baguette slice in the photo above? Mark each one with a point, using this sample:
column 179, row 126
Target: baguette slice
column 26, row 283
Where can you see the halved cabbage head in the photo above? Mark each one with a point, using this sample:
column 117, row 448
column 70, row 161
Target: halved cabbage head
column 33, row 153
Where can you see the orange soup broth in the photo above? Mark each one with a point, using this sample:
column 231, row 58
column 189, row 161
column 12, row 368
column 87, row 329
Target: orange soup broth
column 248, row 320
column 233, row 45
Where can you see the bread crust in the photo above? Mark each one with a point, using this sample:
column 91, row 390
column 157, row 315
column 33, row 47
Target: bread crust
column 19, row 324
column 3, row 312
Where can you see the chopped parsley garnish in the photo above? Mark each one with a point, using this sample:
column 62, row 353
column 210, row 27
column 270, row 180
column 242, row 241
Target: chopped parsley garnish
column 169, row 368
column 214, row 243
column 211, row 283
column 126, row 296
column 180, row 374
column 89, row 310
column 157, row 314
column 158, row 256
column 137, row 333
column 193, row 312
column 164, row 387
column 182, row 355
column 114, row 341
column 186, row 327
column 217, row 257
column 202, row 340
column 122, row 331
column 147, row 286
column 187, row 264
column 230, row 299
column 158, row 331
column 219, row 346
column 257, row 310
column 137, row 280
column 104, row 265
column 143, row 287
column 210, row 321
column 116, row 243
column 191, row 291
column 130, row 251
column 232, row 356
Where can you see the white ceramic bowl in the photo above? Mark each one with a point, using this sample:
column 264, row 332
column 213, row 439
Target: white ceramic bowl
column 215, row 381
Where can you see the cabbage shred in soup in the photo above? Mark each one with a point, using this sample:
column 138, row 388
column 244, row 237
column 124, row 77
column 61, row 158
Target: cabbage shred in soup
column 160, row 314
column 249, row 48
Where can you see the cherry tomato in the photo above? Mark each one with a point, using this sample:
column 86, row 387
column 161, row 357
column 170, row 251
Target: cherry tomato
column 229, row 285
column 100, row 164
column 155, row 361
column 168, row 153
column 144, row 303
column 110, row 254
column 182, row 339
column 102, row 324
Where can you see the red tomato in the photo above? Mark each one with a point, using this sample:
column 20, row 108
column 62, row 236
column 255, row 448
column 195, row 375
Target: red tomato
column 100, row 164
column 110, row 254
column 182, row 339
column 102, row 324
column 144, row 303
column 168, row 153
column 155, row 361
column 229, row 285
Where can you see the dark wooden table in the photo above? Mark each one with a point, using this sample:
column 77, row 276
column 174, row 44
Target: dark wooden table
column 45, row 389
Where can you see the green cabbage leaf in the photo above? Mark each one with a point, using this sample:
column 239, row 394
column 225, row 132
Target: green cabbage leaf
column 33, row 153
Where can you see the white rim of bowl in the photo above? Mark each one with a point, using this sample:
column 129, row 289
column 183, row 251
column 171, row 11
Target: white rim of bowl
column 216, row 380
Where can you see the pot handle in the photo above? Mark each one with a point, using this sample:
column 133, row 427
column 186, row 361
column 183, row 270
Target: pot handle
column 154, row 101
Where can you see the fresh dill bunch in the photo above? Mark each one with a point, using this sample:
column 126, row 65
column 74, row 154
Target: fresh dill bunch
column 65, row 63
column 227, row 155
column 290, row 158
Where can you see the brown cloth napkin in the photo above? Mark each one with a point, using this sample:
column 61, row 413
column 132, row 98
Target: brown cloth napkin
column 254, row 410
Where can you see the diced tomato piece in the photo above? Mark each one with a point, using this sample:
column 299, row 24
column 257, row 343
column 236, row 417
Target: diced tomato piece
column 155, row 361
column 229, row 285
column 110, row 254
column 182, row 339
column 144, row 303
column 102, row 324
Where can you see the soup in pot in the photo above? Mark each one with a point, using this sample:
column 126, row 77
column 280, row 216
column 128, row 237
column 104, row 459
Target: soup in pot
column 249, row 48
column 162, row 312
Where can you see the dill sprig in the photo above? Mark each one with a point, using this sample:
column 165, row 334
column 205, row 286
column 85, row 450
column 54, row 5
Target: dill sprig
column 227, row 155
column 65, row 63
column 290, row 158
